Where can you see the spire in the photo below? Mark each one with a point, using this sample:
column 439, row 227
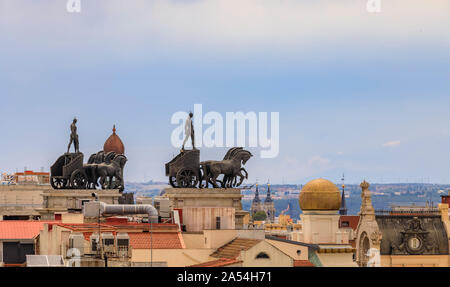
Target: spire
column 256, row 199
column 343, row 209
column 268, row 198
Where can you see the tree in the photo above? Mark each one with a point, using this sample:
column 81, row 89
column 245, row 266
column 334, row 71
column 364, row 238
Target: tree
column 259, row 216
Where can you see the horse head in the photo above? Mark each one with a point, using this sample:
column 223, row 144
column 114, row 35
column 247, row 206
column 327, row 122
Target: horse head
column 242, row 156
column 121, row 160
column 109, row 157
column 96, row 158
column 232, row 152
column 100, row 157
column 92, row 158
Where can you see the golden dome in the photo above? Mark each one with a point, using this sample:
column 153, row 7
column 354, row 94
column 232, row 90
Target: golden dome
column 320, row 194
column 114, row 143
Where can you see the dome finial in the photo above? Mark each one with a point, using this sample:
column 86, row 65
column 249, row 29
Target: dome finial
column 114, row 129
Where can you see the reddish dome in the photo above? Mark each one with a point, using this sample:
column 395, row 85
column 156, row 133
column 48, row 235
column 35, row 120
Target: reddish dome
column 114, row 143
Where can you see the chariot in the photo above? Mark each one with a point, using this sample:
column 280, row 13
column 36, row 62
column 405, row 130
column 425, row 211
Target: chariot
column 68, row 172
column 184, row 169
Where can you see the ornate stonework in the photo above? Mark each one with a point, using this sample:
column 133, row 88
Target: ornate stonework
column 368, row 233
column 375, row 237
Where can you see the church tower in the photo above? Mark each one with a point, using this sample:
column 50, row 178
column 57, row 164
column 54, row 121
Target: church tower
column 269, row 206
column 256, row 203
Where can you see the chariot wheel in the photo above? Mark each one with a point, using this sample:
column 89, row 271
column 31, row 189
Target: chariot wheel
column 173, row 181
column 78, row 180
column 58, row 183
column 187, row 178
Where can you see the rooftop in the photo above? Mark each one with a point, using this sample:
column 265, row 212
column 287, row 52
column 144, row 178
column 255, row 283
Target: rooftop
column 159, row 240
column 352, row 220
column 232, row 249
column 18, row 229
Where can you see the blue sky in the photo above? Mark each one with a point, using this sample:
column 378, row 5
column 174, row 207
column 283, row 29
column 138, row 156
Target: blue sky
column 358, row 93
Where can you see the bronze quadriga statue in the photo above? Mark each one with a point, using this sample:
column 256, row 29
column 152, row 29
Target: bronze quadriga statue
column 101, row 170
column 104, row 170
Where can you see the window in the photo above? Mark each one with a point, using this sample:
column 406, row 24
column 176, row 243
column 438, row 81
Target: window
column 345, row 224
column 218, row 222
column 299, row 252
column 94, row 245
column 108, row 241
column 262, row 255
column 122, row 242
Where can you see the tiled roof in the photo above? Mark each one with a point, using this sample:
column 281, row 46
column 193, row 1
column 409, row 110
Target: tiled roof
column 232, row 249
column 18, row 229
column 222, row 262
column 303, row 263
column 160, row 240
column 352, row 220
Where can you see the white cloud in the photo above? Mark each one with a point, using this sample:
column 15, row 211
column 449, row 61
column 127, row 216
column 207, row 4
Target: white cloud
column 392, row 144
column 231, row 26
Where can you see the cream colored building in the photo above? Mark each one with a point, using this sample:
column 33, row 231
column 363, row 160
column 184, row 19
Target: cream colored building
column 208, row 208
column 402, row 237
column 320, row 201
column 245, row 248
column 21, row 201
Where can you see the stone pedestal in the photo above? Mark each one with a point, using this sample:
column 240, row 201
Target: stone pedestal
column 208, row 208
column 64, row 200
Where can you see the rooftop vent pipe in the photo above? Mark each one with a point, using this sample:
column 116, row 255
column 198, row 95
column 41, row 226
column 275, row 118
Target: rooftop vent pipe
column 126, row 209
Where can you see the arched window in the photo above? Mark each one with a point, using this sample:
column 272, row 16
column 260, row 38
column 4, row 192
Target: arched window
column 262, row 255
column 364, row 246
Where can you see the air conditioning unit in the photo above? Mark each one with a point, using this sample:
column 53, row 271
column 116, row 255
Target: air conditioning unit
column 76, row 242
column 123, row 244
column 108, row 243
column 162, row 204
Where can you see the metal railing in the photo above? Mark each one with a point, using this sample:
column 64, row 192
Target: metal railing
column 426, row 211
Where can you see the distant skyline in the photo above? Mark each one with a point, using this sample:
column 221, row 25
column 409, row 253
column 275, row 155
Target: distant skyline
column 357, row 93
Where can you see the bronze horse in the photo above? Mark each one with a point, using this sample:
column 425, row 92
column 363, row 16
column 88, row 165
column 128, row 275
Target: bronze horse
column 230, row 167
column 111, row 169
column 106, row 168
